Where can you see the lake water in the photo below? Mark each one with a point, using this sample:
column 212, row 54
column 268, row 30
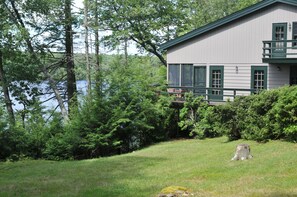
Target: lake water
column 51, row 104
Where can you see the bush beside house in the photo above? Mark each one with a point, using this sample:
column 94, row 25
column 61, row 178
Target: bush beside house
column 261, row 117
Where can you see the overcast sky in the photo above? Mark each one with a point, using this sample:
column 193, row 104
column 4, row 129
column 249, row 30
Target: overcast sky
column 78, row 3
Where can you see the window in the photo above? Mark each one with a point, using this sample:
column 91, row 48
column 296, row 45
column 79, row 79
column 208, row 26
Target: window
column 294, row 33
column 259, row 78
column 279, row 35
column 187, row 75
column 174, row 74
column 180, row 75
column 216, row 81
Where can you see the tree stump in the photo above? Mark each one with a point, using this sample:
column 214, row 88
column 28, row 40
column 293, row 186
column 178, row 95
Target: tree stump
column 243, row 151
column 174, row 191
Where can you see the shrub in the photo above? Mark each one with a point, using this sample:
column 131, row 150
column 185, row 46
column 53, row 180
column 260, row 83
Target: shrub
column 61, row 146
column 125, row 115
column 201, row 119
column 283, row 116
column 268, row 115
column 249, row 120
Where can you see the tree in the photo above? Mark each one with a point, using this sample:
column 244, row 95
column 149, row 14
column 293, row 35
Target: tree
column 127, row 115
column 3, row 79
column 5, row 90
column 25, row 20
column 203, row 12
column 93, row 22
column 147, row 23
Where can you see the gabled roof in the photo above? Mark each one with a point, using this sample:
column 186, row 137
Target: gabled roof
column 228, row 19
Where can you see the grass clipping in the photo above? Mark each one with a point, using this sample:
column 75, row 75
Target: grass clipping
column 174, row 191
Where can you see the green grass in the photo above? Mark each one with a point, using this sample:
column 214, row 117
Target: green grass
column 203, row 166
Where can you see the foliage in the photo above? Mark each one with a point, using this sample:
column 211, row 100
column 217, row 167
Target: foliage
column 125, row 115
column 283, row 115
column 147, row 23
column 30, row 135
column 39, row 131
column 201, row 119
column 200, row 13
column 268, row 115
column 261, row 117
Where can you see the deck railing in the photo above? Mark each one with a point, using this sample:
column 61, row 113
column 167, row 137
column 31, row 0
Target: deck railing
column 211, row 94
column 275, row 49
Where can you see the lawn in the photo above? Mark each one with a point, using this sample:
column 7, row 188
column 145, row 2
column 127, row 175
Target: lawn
column 203, row 166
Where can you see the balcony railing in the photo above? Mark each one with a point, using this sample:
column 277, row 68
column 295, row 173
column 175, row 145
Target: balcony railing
column 210, row 94
column 280, row 51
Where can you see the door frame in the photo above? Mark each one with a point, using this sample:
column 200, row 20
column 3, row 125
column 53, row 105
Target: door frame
column 220, row 95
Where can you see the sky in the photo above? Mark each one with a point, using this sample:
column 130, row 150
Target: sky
column 78, row 3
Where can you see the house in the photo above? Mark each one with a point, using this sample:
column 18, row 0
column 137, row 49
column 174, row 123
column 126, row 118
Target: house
column 250, row 50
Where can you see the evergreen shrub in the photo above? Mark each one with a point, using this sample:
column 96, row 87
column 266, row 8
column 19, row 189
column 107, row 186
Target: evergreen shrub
column 269, row 115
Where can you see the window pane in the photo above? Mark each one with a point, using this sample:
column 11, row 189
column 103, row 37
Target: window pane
column 216, row 81
column 174, row 73
column 280, row 35
column 187, row 74
column 259, row 79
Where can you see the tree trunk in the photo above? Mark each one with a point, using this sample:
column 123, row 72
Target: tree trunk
column 53, row 86
column 97, row 36
column 86, row 10
column 71, row 80
column 5, row 89
column 97, row 52
column 243, row 151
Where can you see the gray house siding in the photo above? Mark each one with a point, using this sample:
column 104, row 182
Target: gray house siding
column 278, row 75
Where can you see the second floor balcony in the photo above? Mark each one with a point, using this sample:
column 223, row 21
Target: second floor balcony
column 280, row 51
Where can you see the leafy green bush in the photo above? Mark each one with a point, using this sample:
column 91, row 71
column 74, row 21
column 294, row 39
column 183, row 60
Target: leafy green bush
column 269, row 115
column 125, row 115
column 201, row 119
column 283, row 116
column 249, row 118
column 61, row 146
column 13, row 141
